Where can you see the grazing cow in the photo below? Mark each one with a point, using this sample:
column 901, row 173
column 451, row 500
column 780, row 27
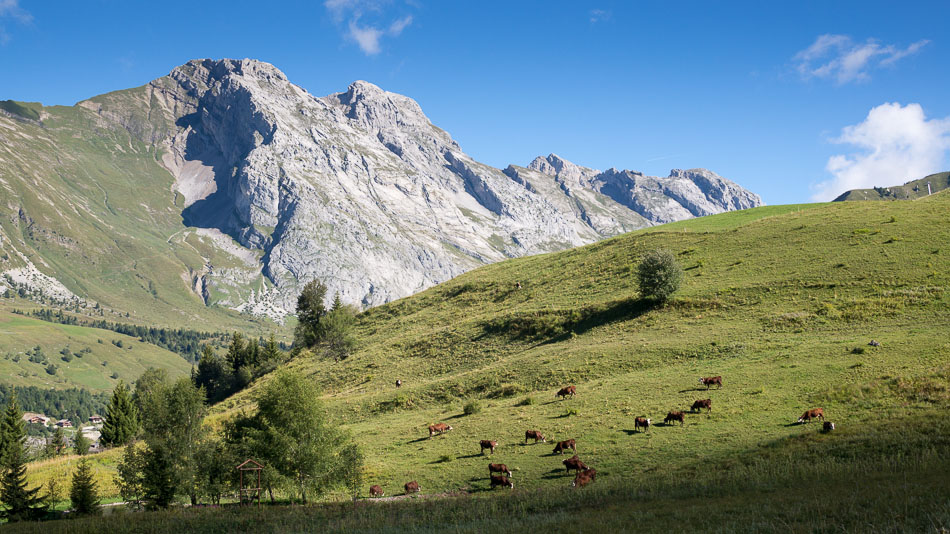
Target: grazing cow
column 574, row 463
column 641, row 422
column 501, row 480
column 412, row 487
column 812, row 414
column 564, row 445
column 565, row 391
column 875, row 343
column 488, row 444
column 675, row 416
column 700, row 404
column 535, row 435
column 398, row 383
column 581, row 480
column 592, row 473
column 499, row 468
column 376, row 491
column 710, row 380
column 438, row 428
column 828, row 426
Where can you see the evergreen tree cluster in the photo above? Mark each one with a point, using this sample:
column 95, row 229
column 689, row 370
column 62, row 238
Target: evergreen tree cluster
column 19, row 503
column 328, row 331
column 245, row 360
column 122, row 418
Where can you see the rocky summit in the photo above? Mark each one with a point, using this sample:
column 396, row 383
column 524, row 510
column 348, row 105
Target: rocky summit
column 244, row 187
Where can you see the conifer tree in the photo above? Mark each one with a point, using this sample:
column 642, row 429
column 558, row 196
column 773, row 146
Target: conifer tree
column 19, row 502
column 122, row 422
column 12, row 431
column 83, row 493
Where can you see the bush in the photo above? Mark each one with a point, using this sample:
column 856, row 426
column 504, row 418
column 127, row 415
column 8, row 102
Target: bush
column 527, row 401
column 472, row 407
column 659, row 275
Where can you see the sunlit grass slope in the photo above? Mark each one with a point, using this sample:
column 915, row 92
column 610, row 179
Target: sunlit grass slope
column 95, row 362
column 781, row 301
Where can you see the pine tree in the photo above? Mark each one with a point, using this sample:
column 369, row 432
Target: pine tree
column 122, row 422
column 19, row 502
column 83, row 493
column 81, row 444
column 12, row 431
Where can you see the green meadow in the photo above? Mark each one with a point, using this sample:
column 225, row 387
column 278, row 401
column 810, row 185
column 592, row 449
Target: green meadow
column 780, row 301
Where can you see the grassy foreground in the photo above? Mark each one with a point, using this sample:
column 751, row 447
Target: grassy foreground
column 815, row 484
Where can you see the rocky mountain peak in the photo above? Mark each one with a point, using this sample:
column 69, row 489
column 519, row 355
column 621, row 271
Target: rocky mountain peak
column 554, row 165
column 375, row 108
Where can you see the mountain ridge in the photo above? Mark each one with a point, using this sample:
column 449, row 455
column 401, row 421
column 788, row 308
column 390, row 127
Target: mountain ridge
column 275, row 186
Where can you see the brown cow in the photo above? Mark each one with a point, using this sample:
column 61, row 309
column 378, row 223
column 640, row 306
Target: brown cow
column 412, row 487
column 700, row 404
column 592, row 473
column 564, row 445
column 535, row 435
column 710, row 380
column 565, row 391
column 499, row 468
column 574, row 463
column 675, row 416
column 581, row 480
column 376, row 491
column 488, row 444
column 641, row 422
column 438, row 428
column 501, row 480
column 812, row 414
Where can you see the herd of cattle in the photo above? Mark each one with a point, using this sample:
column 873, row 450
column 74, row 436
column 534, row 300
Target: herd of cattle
column 584, row 475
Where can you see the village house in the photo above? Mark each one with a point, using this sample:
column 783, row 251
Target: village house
column 64, row 423
column 35, row 419
column 96, row 419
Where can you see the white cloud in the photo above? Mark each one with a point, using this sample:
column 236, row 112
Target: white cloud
column 397, row 27
column 895, row 144
column 599, row 15
column 367, row 36
column 840, row 58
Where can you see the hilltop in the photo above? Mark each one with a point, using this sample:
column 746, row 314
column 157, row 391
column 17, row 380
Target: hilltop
column 911, row 190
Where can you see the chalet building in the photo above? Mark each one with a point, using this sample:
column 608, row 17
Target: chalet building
column 64, row 423
column 35, row 419
column 96, row 419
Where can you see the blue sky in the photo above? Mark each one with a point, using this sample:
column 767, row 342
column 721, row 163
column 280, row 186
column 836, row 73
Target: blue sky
column 795, row 101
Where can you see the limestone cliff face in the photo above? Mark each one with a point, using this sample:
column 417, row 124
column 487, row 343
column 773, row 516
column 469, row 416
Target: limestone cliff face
column 360, row 190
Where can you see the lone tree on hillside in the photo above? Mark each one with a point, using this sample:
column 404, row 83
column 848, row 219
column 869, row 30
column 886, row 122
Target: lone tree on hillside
column 122, row 419
column 659, row 275
column 83, row 492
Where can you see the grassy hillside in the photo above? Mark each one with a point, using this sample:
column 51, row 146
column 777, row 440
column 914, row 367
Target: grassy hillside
column 780, row 301
column 911, row 190
column 93, row 357
column 88, row 202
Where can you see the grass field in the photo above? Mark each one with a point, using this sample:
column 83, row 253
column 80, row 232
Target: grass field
column 92, row 370
column 781, row 301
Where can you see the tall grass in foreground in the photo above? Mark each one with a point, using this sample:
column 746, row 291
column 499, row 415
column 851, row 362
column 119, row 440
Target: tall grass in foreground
column 803, row 487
